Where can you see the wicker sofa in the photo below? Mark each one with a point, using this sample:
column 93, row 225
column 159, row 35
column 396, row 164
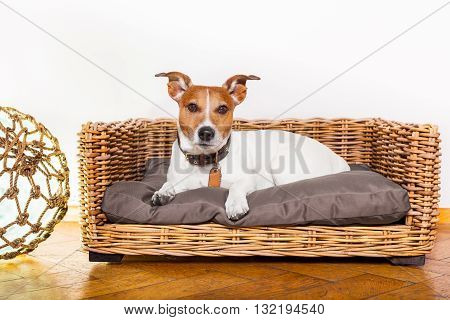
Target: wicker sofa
column 408, row 154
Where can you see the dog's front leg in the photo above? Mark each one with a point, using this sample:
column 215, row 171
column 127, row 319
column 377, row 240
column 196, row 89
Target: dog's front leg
column 169, row 189
column 236, row 205
column 164, row 195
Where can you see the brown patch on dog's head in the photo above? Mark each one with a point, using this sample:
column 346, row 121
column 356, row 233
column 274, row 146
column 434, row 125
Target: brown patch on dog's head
column 206, row 113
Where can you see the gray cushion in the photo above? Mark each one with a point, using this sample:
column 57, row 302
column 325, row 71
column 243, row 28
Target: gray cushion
column 359, row 196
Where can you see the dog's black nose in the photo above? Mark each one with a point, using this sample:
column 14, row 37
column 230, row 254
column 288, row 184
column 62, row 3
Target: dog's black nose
column 206, row 133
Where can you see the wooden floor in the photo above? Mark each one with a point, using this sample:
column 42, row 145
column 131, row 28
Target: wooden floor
column 59, row 270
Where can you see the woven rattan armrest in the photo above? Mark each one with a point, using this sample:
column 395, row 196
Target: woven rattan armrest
column 108, row 152
column 409, row 154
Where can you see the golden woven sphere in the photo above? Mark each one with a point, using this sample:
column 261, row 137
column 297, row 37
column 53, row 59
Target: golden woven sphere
column 34, row 183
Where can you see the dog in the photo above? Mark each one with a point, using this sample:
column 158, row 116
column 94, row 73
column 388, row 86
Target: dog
column 208, row 153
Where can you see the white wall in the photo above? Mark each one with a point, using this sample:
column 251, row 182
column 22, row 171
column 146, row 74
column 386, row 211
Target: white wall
column 295, row 47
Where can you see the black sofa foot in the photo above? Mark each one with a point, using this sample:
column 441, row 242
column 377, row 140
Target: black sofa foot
column 408, row 261
column 103, row 257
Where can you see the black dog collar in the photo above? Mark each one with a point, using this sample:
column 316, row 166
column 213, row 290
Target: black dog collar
column 205, row 159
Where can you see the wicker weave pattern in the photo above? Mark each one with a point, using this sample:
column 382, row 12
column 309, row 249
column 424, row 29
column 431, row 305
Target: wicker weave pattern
column 405, row 153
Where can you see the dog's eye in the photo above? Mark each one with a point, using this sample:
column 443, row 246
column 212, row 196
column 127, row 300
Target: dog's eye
column 222, row 109
column 192, row 107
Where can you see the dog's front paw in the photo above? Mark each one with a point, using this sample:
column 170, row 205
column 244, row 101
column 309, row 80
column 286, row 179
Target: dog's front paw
column 236, row 207
column 159, row 198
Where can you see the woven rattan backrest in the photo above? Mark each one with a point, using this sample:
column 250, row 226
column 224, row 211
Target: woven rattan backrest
column 349, row 138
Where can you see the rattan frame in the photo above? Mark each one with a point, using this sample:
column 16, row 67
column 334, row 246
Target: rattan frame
column 408, row 154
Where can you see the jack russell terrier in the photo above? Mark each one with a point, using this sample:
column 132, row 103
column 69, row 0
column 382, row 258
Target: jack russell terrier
column 208, row 153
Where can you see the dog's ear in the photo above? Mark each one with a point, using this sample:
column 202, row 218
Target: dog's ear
column 236, row 87
column 178, row 83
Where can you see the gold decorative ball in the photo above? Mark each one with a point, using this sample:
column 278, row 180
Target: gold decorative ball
column 34, row 183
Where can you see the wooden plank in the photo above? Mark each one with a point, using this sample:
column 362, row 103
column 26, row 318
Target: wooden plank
column 359, row 287
column 327, row 271
column 262, row 289
column 444, row 215
column 179, row 288
column 418, row 291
